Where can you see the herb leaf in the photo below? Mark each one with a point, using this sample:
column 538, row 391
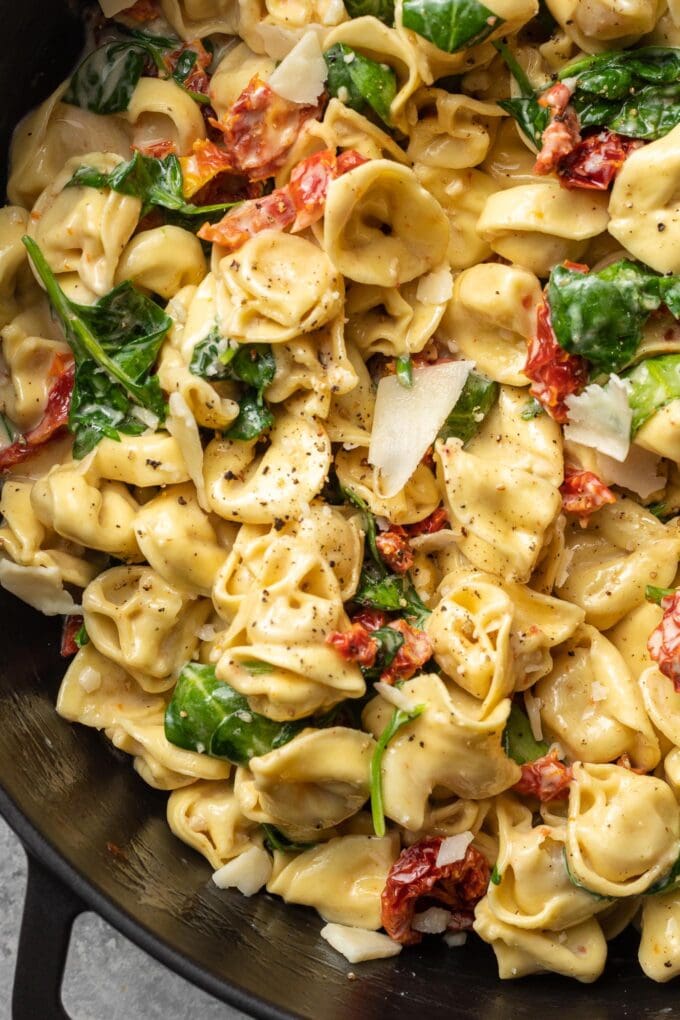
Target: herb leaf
column 275, row 840
column 654, row 594
column 518, row 740
column 383, row 10
column 404, row 371
column 208, row 716
column 451, row 25
column 253, row 365
column 578, row 884
column 532, row 118
column 654, row 383
column 115, row 343
column 478, row 396
column 400, row 717
column 359, row 81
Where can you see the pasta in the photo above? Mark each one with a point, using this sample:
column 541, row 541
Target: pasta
column 339, row 404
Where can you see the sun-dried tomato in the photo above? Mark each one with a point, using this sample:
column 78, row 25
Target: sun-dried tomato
column 547, row 778
column 415, row 882
column 414, row 653
column 260, row 128
column 554, row 373
column 143, row 10
column 624, row 762
column 393, row 545
column 355, row 644
column 562, row 134
column 437, row 520
column 72, row 625
column 198, row 79
column 159, row 149
column 54, row 418
column 272, row 212
column 206, row 160
column 583, row 493
column 664, row 641
column 371, row 619
column 595, row 161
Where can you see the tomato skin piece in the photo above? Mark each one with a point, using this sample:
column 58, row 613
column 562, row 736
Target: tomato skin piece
column 355, row 645
column 414, row 653
column 308, row 187
column 415, row 876
column 143, row 10
column 206, row 160
column 437, row 520
column 158, row 149
column 664, row 641
column 554, row 373
column 393, row 546
column 371, row 619
column 547, row 778
column 562, row 134
column 68, row 647
column 596, row 160
column 54, row 418
column 198, row 79
column 272, row 212
column 583, row 493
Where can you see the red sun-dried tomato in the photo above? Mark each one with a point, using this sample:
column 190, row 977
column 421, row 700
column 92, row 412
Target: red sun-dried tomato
column 158, row 149
column 206, row 160
column 393, row 545
column 260, row 128
column 554, row 373
column 415, row 882
column 143, row 10
column 198, row 79
column 271, row 212
column 355, row 644
column 624, row 762
column 371, row 619
column 437, row 520
column 595, row 161
column 583, row 493
column 664, row 641
column 54, row 418
column 547, row 778
column 562, row 133
column 308, row 187
column 414, row 653
column 72, row 625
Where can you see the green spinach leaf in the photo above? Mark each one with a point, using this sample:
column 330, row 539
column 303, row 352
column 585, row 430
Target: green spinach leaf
column 400, row 717
column 404, row 371
column 668, row 883
column 476, row 400
column 254, row 418
column 276, row 840
column 578, row 884
column 115, row 343
column 656, row 595
column 654, row 383
column 532, row 118
column 518, row 740
column 208, row 716
column 451, row 25
column 383, row 10
column 216, row 359
column 359, row 81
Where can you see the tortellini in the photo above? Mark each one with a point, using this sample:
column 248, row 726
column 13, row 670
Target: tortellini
column 462, row 195
column 605, row 24
column 391, row 320
column 208, row 817
column 417, row 500
column 449, row 131
column 162, row 260
column 191, row 18
column 659, row 954
column 161, row 111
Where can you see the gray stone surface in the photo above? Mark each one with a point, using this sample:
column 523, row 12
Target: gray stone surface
column 107, row 977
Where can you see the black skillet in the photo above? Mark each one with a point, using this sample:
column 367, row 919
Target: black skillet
column 97, row 839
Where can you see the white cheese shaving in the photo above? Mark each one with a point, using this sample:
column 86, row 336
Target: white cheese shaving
column 395, row 696
column 90, row 679
column 248, row 872
column 181, row 424
column 146, row 417
column 40, row 587
column 435, row 542
column 598, row 691
column 454, row 939
column 113, row 7
column 431, row 922
column 454, row 848
column 301, row 76
column 334, row 12
column 601, row 417
column 406, row 420
column 533, row 707
column 639, row 472
column 208, row 632
column 435, row 288
column 278, row 41
column 357, row 944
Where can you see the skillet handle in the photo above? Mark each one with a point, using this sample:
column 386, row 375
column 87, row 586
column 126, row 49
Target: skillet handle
column 50, row 909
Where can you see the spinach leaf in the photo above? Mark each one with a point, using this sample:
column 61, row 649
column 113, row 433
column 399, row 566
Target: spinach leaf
column 478, row 396
column 451, row 25
column 668, row 883
column 253, row 365
column 367, row 522
column 518, row 740
column 275, row 840
column 532, row 118
column 656, row 595
column 400, row 717
column 359, row 81
column 383, row 10
column 654, row 383
column 254, row 418
column 532, row 409
column 210, row 357
column 389, row 642
column 208, row 716
column 8, row 431
column 115, row 343
column 404, row 370
column 496, row 876
column 578, row 884
column 601, row 315
column 158, row 182
column 633, row 92
column 81, row 637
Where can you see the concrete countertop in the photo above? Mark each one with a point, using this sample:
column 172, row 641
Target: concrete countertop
column 107, row 977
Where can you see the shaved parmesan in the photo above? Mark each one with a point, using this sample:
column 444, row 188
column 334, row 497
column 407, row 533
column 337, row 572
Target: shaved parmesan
column 301, row 76
column 406, row 421
column 90, row 679
column 357, row 944
column 454, row 939
column 598, row 691
column 431, row 922
column 454, row 848
column 40, row 587
column 394, row 696
column 435, row 542
column 601, row 417
column 639, row 472
column 248, row 872
column 435, row 288
column 182, row 425
column 334, row 12
column 111, row 7
column 533, row 707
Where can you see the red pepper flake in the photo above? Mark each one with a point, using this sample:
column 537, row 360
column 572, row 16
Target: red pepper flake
column 415, row 882
column 554, row 373
column 414, row 653
column 583, row 493
column 355, row 645
column 393, row 545
column 437, row 520
column 594, row 162
column 547, row 778
column 72, row 625
column 54, row 418
column 664, row 641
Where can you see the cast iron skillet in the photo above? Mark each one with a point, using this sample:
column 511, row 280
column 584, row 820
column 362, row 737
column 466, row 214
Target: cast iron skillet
column 96, row 835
